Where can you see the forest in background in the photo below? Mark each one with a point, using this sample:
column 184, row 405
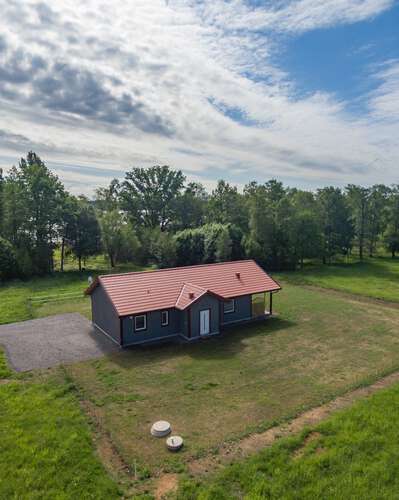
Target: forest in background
column 154, row 216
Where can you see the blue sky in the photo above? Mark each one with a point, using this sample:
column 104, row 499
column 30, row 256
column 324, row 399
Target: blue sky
column 339, row 59
column 306, row 91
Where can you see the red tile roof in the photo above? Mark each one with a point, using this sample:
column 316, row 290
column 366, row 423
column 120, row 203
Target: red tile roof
column 189, row 293
column 138, row 292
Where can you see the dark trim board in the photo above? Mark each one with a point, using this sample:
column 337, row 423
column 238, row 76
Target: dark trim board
column 156, row 340
column 106, row 334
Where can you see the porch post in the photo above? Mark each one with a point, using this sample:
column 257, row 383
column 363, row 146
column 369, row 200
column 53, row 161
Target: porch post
column 271, row 304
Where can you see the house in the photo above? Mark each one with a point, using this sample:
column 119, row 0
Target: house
column 188, row 302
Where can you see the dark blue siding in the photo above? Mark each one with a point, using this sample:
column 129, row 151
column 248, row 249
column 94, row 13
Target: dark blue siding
column 154, row 328
column 103, row 313
column 205, row 302
column 243, row 306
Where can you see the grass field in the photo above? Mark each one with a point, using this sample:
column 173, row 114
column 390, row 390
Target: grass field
column 377, row 277
column 5, row 371
column 46, row 448
column 353, row 454
column 318, row 346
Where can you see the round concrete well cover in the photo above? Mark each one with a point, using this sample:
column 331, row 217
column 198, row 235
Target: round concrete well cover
column 174, row 443
column 160, row 428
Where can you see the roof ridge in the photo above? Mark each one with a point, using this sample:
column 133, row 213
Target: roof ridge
column 176, row 267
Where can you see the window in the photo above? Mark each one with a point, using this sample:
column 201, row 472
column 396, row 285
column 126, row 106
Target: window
column 164, row 318
column 140, row 322
column 228, row 306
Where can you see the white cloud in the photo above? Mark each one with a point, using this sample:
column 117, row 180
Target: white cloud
column 116, row 84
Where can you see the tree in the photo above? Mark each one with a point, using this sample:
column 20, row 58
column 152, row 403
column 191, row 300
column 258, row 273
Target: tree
column 83, row 233
column 67, row 224
column 108, row 198
column 227, row 206
column 190, row 247
column 391, row 234
column 223, row 245
column 164, row 249
column 119, row 239
column 149, row 195
column 305, row 226
column 8, row 261
column 378, row 207
column 190, row 207
column 359, row 202
column 270, row 211
column 33, row 201
column 1, row 201
column 336, row 225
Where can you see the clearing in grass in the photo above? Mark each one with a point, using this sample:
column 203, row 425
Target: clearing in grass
column 320, row 345
column 351, row 455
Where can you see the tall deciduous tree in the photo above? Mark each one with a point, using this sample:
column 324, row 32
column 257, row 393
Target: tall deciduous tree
column 84, row 236
column 391, row 234
column 148, row 195
column 305, row 226
column 336, row 225
column 378, row 211
column 227, row 206
column 107, row 198
column 119, row 239
column 269, row 240
column 33, row 201
column 190, row 207
column 359, row 202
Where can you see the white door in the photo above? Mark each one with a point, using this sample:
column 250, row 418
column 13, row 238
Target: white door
column 204, row 322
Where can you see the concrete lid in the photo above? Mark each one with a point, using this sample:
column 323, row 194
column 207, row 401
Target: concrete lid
column 174, row 443
column 160, row 428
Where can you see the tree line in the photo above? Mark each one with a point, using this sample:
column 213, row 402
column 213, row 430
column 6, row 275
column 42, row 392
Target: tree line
column 155, row 216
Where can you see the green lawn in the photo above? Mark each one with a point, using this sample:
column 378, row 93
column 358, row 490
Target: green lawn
column 353, row 454
column 5, row 371
column 46, row 449
column 320, row 345
column 377, row 277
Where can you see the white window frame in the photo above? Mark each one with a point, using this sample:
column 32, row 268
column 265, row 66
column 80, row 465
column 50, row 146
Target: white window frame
column 145, row 323
column 232, row 309
column 167, row 318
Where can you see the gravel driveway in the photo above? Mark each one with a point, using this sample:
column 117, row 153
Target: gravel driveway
column 45, row 342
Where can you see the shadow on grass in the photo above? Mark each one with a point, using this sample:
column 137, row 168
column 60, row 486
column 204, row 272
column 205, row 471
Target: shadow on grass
column 226, row 345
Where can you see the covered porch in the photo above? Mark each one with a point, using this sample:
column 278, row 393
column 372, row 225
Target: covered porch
column 261, row 304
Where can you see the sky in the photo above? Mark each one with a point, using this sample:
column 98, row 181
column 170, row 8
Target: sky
column 305, row 91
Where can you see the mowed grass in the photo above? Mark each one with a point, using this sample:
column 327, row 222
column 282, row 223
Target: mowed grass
column 46, row 449
column 318, row 346
column 374, row 277
column 354, row 454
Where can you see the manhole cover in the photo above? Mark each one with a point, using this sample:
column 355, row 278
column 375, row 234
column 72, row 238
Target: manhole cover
column 160, row 428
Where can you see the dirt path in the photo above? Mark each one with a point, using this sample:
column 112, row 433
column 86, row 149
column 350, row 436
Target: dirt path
column 229, row 452
column 256, row 442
